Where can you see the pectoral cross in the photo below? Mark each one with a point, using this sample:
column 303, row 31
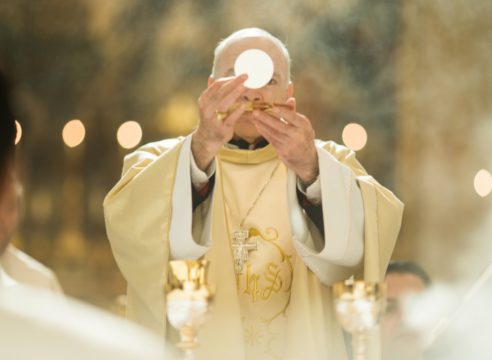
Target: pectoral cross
column 241, row 248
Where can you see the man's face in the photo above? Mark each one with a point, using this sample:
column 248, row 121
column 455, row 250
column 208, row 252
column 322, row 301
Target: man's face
column 395, row 336
column 278, row 90
column 9, row 213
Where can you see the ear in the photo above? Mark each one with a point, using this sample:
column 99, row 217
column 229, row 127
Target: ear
column 211, row 80
column 290, row 89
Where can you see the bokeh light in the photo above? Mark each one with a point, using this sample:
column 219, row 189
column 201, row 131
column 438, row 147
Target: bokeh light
column 483, row 183
column 129, row 134
column 354, row 136
column 19, row 132
column 73, row 133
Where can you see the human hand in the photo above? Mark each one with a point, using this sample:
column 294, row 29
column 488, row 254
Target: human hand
column 213, row 131
column 292, row 135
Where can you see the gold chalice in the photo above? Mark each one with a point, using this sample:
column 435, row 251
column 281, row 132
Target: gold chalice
column 188, row 299
column 359, row 306
column 250, row 107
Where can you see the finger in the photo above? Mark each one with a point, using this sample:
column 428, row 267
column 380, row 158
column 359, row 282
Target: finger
column 230, row 121
column 274, row 127
column 289, row 115
column 213, row 89
column 272, row 136
column 273, row 122
column 230, row 85
column 231, row 98
column 205, row 100
column 219, row 82
column 224, row 79
column 232, row 89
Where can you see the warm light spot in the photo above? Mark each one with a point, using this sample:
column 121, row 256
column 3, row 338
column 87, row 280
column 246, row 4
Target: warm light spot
column 19, row 132
column 354, row 136
column 73, row 133
column 483, row 183
column 129, row 134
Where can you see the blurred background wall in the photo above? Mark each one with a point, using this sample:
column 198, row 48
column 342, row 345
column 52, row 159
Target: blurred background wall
column 415, row 75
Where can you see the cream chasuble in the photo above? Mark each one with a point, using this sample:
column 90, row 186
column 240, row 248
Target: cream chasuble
column 264, row 286
column 280, row 306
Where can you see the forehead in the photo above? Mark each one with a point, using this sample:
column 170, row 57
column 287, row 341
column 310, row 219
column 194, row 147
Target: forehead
column 228, row 55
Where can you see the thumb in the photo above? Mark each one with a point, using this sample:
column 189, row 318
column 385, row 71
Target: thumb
column 292, row 102
column 231, row 120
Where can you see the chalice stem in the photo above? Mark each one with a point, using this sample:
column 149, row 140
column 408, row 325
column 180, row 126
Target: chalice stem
column 188, row 354
column 359, row 345
column 189, row 341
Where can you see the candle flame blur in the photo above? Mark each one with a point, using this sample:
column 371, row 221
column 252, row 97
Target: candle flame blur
column 19, row 132
column 483, row 183
column 354, row 136
column 73, row 133
column 129, row 134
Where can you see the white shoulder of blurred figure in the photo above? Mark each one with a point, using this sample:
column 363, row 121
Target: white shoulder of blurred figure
column 59, row 328
column 28, row 271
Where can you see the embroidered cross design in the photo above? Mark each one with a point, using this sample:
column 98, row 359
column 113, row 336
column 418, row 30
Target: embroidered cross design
column 241, row 248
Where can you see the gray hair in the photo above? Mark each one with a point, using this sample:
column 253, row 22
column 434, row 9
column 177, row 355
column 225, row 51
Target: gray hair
column 246, row 33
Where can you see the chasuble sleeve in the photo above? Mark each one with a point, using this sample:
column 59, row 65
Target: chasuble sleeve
column 190, row 229
column 346, row 217
column 137, row 213
column 150, row 220
column 383, row 213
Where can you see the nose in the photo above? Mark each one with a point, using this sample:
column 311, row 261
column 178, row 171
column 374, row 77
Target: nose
column 252, row 95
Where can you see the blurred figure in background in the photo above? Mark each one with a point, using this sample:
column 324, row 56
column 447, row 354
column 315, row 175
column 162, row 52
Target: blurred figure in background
column 17, row 264
column 403, row 279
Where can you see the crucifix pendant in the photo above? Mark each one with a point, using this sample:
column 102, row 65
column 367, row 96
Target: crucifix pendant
column 241, row 248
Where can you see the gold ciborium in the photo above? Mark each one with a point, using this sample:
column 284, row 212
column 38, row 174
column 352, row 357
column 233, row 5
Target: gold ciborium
column 359, row 306
column 188, row 300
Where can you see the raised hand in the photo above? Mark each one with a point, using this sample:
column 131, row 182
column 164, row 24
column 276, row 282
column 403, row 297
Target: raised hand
column 214, row 129
column 292, row 135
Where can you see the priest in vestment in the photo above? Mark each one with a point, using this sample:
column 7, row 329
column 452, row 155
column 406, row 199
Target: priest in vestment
column 280, row 215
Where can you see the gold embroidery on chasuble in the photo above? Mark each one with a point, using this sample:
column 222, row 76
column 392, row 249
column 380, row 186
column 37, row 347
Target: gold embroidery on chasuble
column 264, row 285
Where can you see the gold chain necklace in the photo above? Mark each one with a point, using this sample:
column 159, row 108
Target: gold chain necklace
column 240, row 244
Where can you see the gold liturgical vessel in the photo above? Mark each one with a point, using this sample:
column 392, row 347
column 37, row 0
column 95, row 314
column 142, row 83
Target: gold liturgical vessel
column 188, row 301
column 358, row 307
column 250, row 107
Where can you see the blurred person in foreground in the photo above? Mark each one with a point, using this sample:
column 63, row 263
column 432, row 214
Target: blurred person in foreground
column 403, row 279
column 7, row 152
column 38, row 324
column 17, row 264
column 252, row 175
column 7, row 134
